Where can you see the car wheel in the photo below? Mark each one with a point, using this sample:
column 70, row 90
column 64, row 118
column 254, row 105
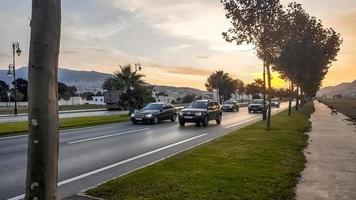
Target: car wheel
column 174, row 117
column 218, row 119
column 205, row 121
column 155, row 120
column 181, row 123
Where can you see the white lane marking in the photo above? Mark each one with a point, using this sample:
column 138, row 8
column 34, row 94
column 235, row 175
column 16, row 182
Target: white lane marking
column 11, row 137
column 232, row 125
column 106, row 136
column 68, row 130
column 118, row 163
column 22, row 196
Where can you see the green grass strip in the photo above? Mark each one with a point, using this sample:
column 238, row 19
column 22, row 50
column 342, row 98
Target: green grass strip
column 12, row 128
column 250, row 163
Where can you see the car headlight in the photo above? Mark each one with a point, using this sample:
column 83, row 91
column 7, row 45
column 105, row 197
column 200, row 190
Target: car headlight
column 198, row 114
column 133, row 115
column 149, row 115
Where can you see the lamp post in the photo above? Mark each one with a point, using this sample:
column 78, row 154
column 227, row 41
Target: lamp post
column 9, row 97
column 12, row 70
column 138, row 67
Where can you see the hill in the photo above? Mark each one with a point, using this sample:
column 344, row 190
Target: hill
column 83, row 80
column 92, row 81
column 343, row 89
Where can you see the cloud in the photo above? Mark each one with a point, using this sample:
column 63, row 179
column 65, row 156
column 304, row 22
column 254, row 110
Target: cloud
column 182, row 70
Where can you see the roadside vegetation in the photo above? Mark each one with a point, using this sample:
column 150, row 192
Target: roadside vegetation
column 250, row 163
column 12, row 128
column 23, row 109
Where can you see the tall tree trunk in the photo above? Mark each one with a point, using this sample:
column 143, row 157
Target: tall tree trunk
column 269, row 96
column 264, row 116
column 291, row 90
column 42, row 164
column 297, row 100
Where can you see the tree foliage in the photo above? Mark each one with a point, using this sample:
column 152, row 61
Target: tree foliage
column 66, row 92
column 223, row 83
column 134, row 93
column 308, row 49
column 21, row 87
column 4, row 88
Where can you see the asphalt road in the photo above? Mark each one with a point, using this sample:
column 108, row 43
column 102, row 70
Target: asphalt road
column 62, row 114
column 90, row 156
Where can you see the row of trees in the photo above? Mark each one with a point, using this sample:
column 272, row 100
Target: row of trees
column 226, row 86
column 287, row 40
column 64, row 92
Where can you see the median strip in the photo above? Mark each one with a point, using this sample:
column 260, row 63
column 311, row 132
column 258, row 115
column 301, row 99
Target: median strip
column 106, row 136
column 118, row 164
column 240, row 123
column 13, row 128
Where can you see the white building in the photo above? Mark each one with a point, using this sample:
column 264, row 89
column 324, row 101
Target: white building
column 97, row 100
column 72, row 101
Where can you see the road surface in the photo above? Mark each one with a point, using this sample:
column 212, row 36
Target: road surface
column 62, row 114
column 90, row 156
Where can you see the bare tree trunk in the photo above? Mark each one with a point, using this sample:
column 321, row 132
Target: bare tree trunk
column 291, row 89
column 264, row 116
column 42, row 164
column 297, row 100
column 269, row 96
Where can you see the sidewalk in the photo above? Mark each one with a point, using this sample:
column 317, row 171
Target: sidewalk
column 330, row 171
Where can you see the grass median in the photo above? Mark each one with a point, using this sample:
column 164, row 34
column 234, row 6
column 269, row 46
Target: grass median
column 249, row 163
column 12, row 128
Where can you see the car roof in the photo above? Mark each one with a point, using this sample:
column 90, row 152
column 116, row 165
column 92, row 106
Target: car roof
column 159, row 103
column 203, row 100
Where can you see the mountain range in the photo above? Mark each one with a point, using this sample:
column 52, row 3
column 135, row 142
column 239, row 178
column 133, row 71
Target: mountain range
column 83, row 80
column 343, row 89
column 92, row 81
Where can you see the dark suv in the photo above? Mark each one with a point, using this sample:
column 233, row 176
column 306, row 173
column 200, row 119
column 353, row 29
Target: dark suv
column 230, row 106
column 201, row 112
column 155, row 112
column 256, row 105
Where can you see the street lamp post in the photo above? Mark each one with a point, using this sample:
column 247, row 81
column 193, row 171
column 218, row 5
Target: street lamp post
column 9, row 97
column 138, row 67
column 12, row 70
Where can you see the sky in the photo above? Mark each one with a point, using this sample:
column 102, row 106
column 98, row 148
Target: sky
column 177, row 42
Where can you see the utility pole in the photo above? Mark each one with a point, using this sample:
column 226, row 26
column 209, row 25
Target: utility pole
column 42, row 163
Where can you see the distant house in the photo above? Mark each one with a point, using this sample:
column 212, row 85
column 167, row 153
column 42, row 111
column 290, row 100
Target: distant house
column 72, row 101
column 97, row 100
column 161, row 96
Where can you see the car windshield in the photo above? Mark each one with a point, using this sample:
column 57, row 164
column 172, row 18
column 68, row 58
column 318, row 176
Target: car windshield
column 153, row 106
column 198, row 104
column 257, row 101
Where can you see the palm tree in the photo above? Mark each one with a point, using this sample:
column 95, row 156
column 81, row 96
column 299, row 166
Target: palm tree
column 223, row 83
column 127, row 80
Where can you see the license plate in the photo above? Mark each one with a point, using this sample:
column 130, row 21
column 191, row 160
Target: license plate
column 188, row 117
column 138, row 118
